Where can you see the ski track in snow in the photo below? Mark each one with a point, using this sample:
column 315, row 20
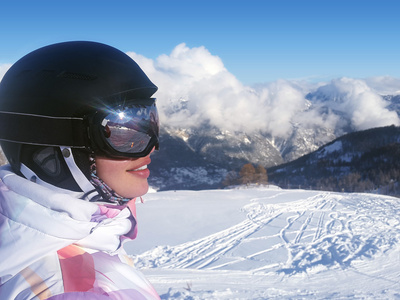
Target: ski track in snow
column 337, row 236
column 317, row 232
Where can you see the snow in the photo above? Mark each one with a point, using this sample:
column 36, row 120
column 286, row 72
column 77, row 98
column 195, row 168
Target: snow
column 336, row 146
column 269, row 243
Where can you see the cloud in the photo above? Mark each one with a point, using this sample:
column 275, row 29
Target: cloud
column 360, row 103
column 3, row 69
column 195, row 88
column 384, row 85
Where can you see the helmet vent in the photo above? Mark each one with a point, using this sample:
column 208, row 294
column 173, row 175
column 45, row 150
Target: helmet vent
column 79, row 76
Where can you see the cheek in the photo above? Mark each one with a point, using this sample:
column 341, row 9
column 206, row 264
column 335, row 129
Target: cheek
column 113, row 173
column 110, row 171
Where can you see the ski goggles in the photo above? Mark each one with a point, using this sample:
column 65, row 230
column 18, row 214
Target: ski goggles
column 130, row 129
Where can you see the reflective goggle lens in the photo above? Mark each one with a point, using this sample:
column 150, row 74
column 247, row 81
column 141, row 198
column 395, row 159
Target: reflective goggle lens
column 130, row 129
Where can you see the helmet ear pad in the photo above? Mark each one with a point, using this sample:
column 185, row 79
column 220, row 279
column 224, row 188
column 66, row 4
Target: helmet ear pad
column 49, row 165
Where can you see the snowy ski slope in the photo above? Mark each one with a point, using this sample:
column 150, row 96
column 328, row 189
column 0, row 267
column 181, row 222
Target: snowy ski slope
column 269, row 243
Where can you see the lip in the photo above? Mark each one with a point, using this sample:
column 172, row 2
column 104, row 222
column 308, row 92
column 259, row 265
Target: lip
column 141, row 173
column 139, row 163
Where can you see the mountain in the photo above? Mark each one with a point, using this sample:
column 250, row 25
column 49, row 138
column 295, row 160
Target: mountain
column 394, row 103
column 359, row 161
column 268, row 243
column 201, row 157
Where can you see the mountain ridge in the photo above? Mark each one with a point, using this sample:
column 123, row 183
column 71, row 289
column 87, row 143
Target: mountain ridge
column 359, row 161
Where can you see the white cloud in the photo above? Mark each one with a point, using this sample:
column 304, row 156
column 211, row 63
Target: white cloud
column 216, row 96
column 195, row 87
column 3, row 69
column 195, row 62
column 384, row 85
column 360, row 103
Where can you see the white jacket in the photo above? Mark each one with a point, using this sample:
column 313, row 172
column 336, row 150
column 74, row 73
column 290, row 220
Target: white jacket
column 56, row 246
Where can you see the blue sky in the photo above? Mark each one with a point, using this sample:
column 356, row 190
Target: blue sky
column 258, row 41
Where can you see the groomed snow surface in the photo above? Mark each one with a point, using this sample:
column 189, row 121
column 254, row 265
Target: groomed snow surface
column 269, row 243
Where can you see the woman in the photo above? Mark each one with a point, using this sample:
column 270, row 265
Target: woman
column 77, row 125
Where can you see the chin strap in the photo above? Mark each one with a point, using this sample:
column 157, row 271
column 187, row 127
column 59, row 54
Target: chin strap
column 30, row 175
column 104, row 190
column 84, row 183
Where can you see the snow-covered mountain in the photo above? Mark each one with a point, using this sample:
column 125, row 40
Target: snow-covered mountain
column 359, row 161
column 394, row 103
column 201, row 156
column 269, row 243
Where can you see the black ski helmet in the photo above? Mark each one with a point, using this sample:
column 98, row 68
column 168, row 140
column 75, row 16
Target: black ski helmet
column 62, row 81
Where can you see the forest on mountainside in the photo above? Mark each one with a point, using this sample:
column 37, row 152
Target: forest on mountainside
column 366, row 161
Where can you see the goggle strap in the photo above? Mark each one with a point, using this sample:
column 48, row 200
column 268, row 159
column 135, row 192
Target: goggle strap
column 43, row 130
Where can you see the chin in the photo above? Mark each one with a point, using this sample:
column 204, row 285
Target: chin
column 138, row 192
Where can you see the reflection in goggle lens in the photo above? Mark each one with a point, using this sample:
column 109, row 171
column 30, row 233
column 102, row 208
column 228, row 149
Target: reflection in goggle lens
column 130, row 129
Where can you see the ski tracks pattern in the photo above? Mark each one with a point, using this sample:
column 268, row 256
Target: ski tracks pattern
column 322, row 230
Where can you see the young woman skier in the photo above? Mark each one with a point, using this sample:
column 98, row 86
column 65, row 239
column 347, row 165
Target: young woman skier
column 77, row 124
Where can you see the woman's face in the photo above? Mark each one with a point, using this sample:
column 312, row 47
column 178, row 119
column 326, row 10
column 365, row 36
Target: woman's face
column 127, row 177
